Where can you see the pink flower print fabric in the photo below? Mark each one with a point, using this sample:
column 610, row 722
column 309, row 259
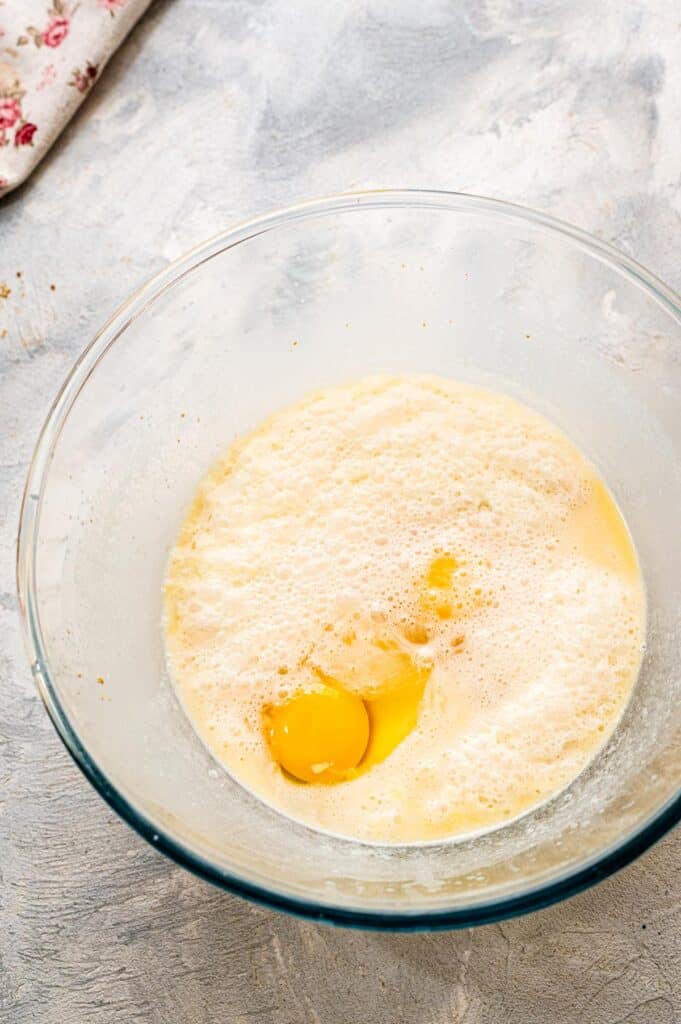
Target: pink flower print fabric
column 51, row 54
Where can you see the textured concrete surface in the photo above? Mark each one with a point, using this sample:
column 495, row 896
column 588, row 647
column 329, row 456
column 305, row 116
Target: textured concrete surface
column 217, row 110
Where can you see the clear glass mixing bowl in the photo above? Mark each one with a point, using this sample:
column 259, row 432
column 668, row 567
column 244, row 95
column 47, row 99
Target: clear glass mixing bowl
column 252, row 320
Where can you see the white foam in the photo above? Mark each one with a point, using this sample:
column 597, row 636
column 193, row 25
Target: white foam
column 327, row 515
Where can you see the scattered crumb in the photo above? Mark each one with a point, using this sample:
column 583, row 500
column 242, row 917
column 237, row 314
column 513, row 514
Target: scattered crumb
column 3, row 333
column 79, row 674
column 294, row 344
column 528, row 336
column 423, row 323
column 53, row 287
column 100, row 680
column 18, row 273
column 5, row 290
column 182, row 415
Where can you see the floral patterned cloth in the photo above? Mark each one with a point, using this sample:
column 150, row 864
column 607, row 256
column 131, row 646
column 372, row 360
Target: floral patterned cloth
column 51, row 54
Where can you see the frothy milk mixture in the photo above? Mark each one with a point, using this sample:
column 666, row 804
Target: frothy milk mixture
column 404, row 609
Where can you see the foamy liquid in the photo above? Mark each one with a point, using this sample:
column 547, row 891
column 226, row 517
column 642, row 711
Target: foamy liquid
column 324, row 522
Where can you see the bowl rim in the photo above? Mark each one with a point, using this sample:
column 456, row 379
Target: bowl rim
column 609, row 860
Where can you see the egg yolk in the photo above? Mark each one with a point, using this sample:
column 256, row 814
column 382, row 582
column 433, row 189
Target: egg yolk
column 440, row 572
column 332, row 734
column 371, row 689
column 318, row 735
column 448, row 593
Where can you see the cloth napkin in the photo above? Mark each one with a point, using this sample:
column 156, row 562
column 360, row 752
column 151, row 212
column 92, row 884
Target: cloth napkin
column 51, row 54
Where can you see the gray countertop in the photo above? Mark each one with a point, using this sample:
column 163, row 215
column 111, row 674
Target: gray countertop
column 216, row 110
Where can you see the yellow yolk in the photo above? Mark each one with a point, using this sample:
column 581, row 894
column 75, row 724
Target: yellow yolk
column 318, row 736
column 448, row 593
column 371, row 695
column 335, row 734
column 441, row 571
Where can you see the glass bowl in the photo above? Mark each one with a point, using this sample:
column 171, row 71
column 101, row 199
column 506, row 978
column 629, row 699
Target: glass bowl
column 256, row 318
